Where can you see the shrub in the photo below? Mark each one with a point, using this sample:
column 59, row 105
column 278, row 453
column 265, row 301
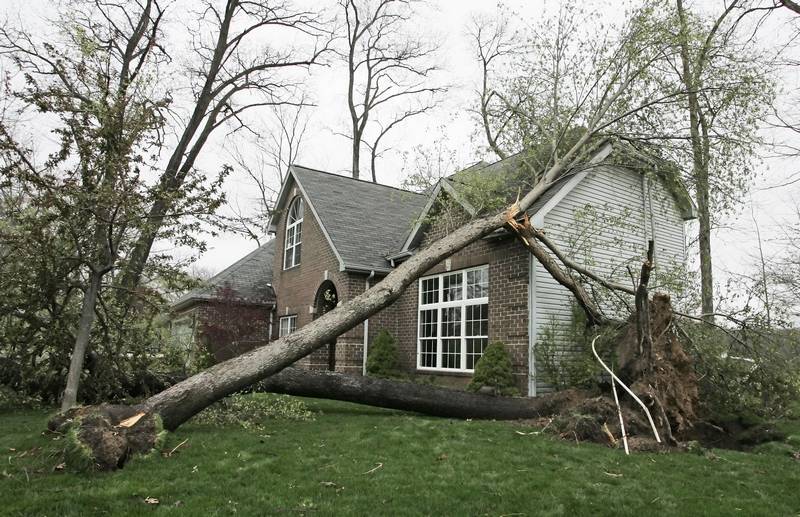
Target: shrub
column 10, row 399
column 751, row 376
column 494, row 370
column 382, row 359
column 563, row 352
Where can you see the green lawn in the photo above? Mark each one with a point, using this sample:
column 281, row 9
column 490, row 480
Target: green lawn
column 353, row 460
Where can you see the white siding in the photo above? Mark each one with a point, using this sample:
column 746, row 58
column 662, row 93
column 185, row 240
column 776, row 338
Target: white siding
column 605, row 224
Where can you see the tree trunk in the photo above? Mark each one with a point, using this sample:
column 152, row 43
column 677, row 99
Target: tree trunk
column 526, row 233
column 642, row 299
column 356, row 154
column 85, row 323
column 178, row 403
column 690, row 76
column 408, row 396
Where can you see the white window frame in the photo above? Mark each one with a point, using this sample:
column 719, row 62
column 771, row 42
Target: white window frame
column 294, row 227
column 463, row 303
column 291, row 325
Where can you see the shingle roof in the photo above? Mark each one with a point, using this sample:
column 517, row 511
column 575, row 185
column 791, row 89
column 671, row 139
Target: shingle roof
column 249, row 278
column 366, row 221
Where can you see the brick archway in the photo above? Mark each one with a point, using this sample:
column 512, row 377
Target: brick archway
column 326, row 299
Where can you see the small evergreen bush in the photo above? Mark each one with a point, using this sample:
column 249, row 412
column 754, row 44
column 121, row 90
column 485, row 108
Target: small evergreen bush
column 494, row 371
column 382, row 359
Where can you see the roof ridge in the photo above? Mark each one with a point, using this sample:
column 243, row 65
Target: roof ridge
column 358, row 179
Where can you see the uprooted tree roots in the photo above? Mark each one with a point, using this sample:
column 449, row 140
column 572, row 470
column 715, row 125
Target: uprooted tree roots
column 104, row 437
column 663, row 378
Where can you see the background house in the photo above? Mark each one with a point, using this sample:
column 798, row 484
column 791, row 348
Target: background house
column 231, row 312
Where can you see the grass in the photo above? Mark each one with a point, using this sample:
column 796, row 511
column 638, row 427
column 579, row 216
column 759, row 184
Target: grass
column 353, row 460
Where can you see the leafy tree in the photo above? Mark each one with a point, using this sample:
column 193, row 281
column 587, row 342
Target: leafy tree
column 95, row 81
column 696, row 98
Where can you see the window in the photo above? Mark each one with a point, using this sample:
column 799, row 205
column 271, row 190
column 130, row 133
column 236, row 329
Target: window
column 453, row 320
column 294, row 230
column 288, row 324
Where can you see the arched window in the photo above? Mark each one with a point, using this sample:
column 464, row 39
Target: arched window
column 294, row 224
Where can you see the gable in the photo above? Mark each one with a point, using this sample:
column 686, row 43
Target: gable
column 364, row 222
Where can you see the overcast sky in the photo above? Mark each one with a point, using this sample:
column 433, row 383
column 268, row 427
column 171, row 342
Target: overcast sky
column 446, row 20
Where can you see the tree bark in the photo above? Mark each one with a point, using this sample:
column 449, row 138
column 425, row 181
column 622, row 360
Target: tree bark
column 791, row 5
column 85, row 323
column 526, row 233
column 408, row 396
column 698, row 133
column 642, row 299
column 180, row 402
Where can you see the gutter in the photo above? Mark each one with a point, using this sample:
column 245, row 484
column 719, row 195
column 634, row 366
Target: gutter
column 366, row 269
column 366, row 331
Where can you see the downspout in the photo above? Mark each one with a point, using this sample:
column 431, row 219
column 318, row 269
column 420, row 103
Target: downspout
column 647, row 213
column 644, row 209
column 366, row 331
column 271, row 314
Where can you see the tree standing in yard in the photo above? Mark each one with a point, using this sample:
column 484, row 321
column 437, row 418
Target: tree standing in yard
column 107, row 116
column 728, row 91
column 710, row 128
column 98, row 84
column 386, row 64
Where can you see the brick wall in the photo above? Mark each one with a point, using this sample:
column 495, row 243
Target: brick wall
column 296, row 288
column 228, row 330
column 508, row 303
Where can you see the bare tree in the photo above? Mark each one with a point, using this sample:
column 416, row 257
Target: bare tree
column 266, row 162
column 493, row 41
column 386, row 65
column 230, row 79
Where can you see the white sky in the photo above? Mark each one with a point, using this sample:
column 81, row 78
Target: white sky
column 323, row 149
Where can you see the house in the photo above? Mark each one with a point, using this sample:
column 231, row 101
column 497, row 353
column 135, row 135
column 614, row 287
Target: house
column 336, row 236
column 231, row 312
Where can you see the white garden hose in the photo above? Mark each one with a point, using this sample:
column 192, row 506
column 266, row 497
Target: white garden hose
column 621, row 421
column 632, row 394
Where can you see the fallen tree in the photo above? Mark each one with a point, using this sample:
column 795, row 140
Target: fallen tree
column 109, row 434
column 409, row 396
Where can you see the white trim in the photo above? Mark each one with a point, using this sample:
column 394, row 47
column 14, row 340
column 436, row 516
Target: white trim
column 293, row 226
column 459, row 198
column 272, row 227
column 538, row 217
column 462, row 303
column 532, row 324
column 423, row 214
column 319, row 222
column 291, row 321
column 443, row 183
